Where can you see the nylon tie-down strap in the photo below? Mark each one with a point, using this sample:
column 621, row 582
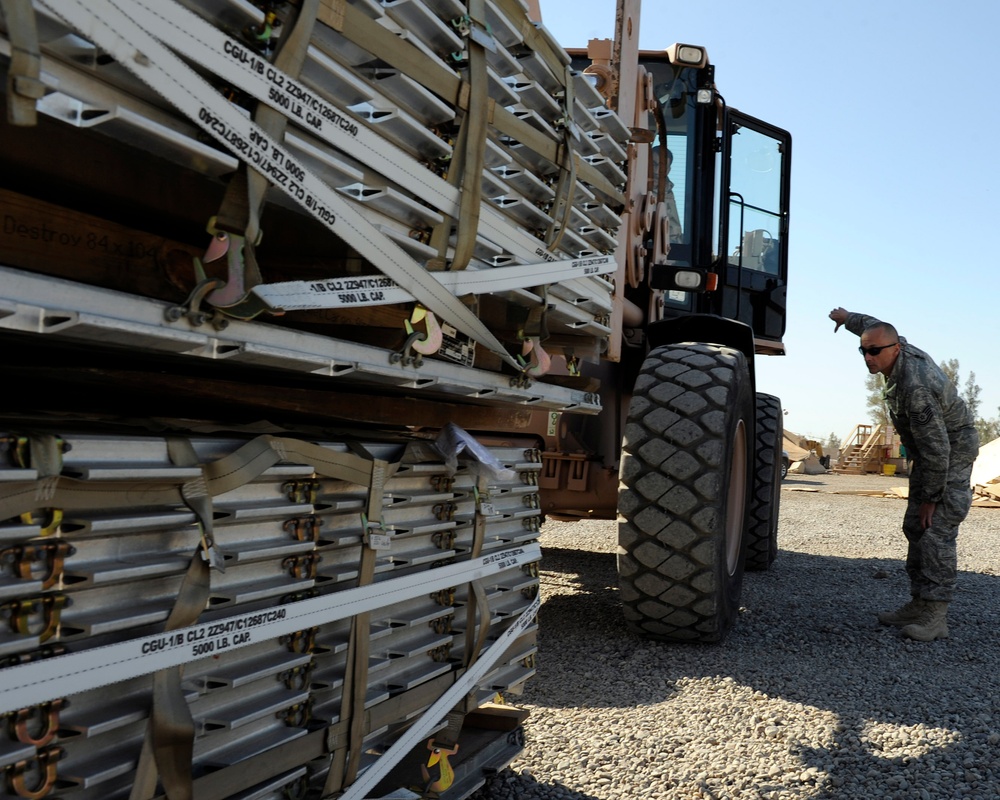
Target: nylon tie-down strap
column 24, row 88
column 245, row 193
column 346, row 761
column 169, row 743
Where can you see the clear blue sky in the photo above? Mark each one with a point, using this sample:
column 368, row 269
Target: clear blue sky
column 893, row 109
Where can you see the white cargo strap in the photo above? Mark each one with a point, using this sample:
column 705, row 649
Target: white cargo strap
column 431, row 718
column 38, row 681
column 113, row 28
column 374, row 290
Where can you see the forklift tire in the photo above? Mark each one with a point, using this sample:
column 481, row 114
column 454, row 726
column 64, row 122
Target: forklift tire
column 762, row 521
column 684, row 492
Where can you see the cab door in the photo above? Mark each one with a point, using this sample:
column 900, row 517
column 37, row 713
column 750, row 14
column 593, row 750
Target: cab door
column 753, row 224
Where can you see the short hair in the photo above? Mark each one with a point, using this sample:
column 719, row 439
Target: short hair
column 884, row 327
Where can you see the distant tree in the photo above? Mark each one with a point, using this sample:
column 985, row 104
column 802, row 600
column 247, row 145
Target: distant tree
column 950, row 368
column 832, row 442
column 970, row 394
column 876, row 399
column 989, row 429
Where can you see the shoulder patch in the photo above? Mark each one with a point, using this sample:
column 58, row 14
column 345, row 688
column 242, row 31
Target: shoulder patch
column 925, row 415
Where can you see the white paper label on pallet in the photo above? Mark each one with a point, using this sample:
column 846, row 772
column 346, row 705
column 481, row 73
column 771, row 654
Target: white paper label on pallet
column 370, row 290
column 35, row 682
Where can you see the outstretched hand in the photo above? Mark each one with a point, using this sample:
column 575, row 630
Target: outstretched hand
column 839, row 315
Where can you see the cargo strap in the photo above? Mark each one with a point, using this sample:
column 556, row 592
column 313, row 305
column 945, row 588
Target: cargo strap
column 554, row 57
column 24, row 88
column 169, row 742
column 154, row 63
column 226, row 474
column 29, row 682
column 346, row 761
column 245, row 193
column 468, row 160
column 478, row 604
column 562, row 206
column 378, row 290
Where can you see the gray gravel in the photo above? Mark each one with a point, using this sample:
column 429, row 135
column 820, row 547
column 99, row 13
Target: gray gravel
column 809, row 697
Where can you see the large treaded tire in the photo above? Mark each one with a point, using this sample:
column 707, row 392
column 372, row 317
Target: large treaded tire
column 686, row 460
column 762, row 521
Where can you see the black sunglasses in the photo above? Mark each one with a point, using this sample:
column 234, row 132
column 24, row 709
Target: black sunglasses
column 874, row 351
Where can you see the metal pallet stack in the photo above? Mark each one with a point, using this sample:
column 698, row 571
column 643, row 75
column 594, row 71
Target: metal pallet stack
column 409, row 199
column 312, row 627
column 374, row 127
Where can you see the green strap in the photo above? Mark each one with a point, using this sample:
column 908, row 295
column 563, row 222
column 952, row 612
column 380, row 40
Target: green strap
column 477, row 124
column 245, row 193
column 562, row 208
column 468, row 157
column 24, row 88
column 347, row 761
column 169, row 741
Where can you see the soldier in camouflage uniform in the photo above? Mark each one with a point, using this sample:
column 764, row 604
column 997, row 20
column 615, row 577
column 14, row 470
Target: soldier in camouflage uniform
column 940, row 437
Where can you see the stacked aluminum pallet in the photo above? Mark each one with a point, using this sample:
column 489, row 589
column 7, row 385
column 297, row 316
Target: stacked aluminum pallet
column 377, row 108
column 306, row 621
column 94, row 560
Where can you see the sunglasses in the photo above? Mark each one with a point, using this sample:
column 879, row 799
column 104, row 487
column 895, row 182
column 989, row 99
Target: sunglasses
column 874, row 351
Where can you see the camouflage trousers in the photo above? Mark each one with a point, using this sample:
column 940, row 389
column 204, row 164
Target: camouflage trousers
column 931, row 559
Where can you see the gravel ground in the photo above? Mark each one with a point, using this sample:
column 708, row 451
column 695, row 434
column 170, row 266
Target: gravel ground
column 808, row 697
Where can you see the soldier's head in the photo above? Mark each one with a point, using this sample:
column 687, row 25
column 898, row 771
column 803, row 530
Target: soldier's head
column 880, row 347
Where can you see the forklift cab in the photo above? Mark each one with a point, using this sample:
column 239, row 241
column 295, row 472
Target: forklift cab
column 729, row 180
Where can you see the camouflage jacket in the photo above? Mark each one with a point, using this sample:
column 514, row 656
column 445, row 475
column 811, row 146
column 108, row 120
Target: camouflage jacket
column 933, row 422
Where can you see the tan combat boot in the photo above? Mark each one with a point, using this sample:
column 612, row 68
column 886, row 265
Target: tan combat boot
column 933, row 623
column 906, row 615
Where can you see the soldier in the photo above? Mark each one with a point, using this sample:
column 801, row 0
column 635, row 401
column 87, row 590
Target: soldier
column 940, row 438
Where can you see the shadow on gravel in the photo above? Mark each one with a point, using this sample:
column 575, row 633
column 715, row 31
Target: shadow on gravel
column 819, row 646
column 510, row 785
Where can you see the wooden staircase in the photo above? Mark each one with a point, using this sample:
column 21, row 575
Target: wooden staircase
column 859, row 448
